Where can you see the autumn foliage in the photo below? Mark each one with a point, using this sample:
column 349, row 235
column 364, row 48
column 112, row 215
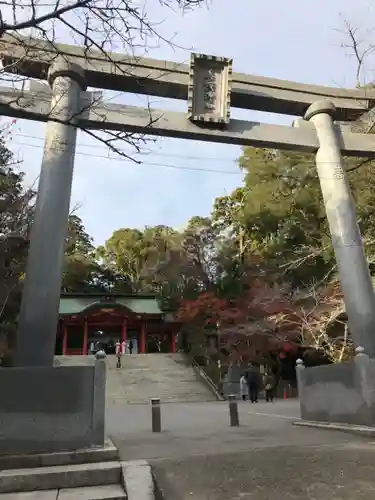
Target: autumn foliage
column 245, row 324
column 208, row 309
column 271, row 320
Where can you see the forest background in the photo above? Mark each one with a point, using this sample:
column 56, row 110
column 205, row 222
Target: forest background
column 259, row 273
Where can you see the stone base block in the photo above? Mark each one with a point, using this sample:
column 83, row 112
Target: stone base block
column 52, row 409
column 339, row 393
column 359, row 430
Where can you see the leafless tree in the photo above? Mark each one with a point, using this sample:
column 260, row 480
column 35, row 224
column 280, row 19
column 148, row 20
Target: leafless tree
column 358, row 46
column 102, row 26
column 316, row 321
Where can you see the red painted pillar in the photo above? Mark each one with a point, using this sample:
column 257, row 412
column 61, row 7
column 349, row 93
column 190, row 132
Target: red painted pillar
column 142, row 347
column 174, row 347
column 65, row 339
column 124, row 330
column 85, row 336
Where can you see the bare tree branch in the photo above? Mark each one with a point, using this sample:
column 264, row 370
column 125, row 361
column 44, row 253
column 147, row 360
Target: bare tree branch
column 105, row 25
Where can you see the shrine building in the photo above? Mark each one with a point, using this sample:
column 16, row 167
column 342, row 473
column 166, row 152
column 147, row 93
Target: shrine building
column 91, row 319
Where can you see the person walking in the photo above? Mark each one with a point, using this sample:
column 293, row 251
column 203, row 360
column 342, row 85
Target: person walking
column 130, row 346
column 252, row 379
column 92, row 348
column 269, row 386
column 244, row 390
column 118, row 352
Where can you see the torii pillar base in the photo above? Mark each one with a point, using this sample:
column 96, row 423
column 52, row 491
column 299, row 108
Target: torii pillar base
column 52, row 409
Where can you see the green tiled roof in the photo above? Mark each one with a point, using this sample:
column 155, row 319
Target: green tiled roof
column 73, row 305
column 139, row 305
column 148, row 306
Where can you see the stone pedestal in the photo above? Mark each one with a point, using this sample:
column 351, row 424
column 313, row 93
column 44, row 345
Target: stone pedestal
column 52, row 409
column 340, row 393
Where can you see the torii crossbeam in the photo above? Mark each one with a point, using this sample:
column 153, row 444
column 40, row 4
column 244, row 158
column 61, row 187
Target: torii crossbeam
column 98, row 115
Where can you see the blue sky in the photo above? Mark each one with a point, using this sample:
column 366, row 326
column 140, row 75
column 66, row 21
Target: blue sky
column 292, row 40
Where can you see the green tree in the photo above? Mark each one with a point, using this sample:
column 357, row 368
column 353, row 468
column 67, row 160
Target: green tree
column 284, row 214
column 126, row 253
column 79, row 258
column 77, row 240
column 278, row 220
column 167, row 271
column 161, row 260
column 82, row 271
column 16, row 211
column 201, row 243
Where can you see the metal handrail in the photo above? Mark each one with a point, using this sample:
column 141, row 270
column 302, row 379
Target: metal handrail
column 207, row 380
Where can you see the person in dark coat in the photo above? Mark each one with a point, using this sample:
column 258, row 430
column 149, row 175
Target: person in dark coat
column 253, row 383
column 130, row 346
column 269, row 386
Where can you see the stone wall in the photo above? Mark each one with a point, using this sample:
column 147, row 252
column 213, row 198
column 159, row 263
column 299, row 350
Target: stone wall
column 343, row 393
column 46, row 409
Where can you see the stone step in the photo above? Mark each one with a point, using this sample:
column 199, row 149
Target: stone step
column 145, row 402
column 152, row 374
column 109, row 492
column 157, row 392
column 144, row 376
column 31, row 495
column 60, row 476
column 162, row 394
column 107, row 453
column 153, row 377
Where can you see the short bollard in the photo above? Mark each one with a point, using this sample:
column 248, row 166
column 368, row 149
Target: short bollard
column 233, row 411
column 155, row 415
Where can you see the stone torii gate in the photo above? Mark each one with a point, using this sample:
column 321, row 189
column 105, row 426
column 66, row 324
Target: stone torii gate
column 210, row 88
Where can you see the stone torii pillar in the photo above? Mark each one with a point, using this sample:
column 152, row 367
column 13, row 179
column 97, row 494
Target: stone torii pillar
column 38, row 319
column 355, row 278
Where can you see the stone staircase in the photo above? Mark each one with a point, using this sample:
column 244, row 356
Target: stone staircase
column 90, row 474
column 169, row 377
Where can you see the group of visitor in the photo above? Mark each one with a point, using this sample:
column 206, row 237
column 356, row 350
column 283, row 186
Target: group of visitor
column 120, row 350
column 252, row 382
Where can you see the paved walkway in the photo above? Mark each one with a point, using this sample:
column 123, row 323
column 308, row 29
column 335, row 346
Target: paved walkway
column 203, row 428
column 198, row 456
column 325, row 472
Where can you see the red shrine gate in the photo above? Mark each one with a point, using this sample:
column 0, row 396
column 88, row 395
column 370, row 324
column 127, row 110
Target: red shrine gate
column 91, row 320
